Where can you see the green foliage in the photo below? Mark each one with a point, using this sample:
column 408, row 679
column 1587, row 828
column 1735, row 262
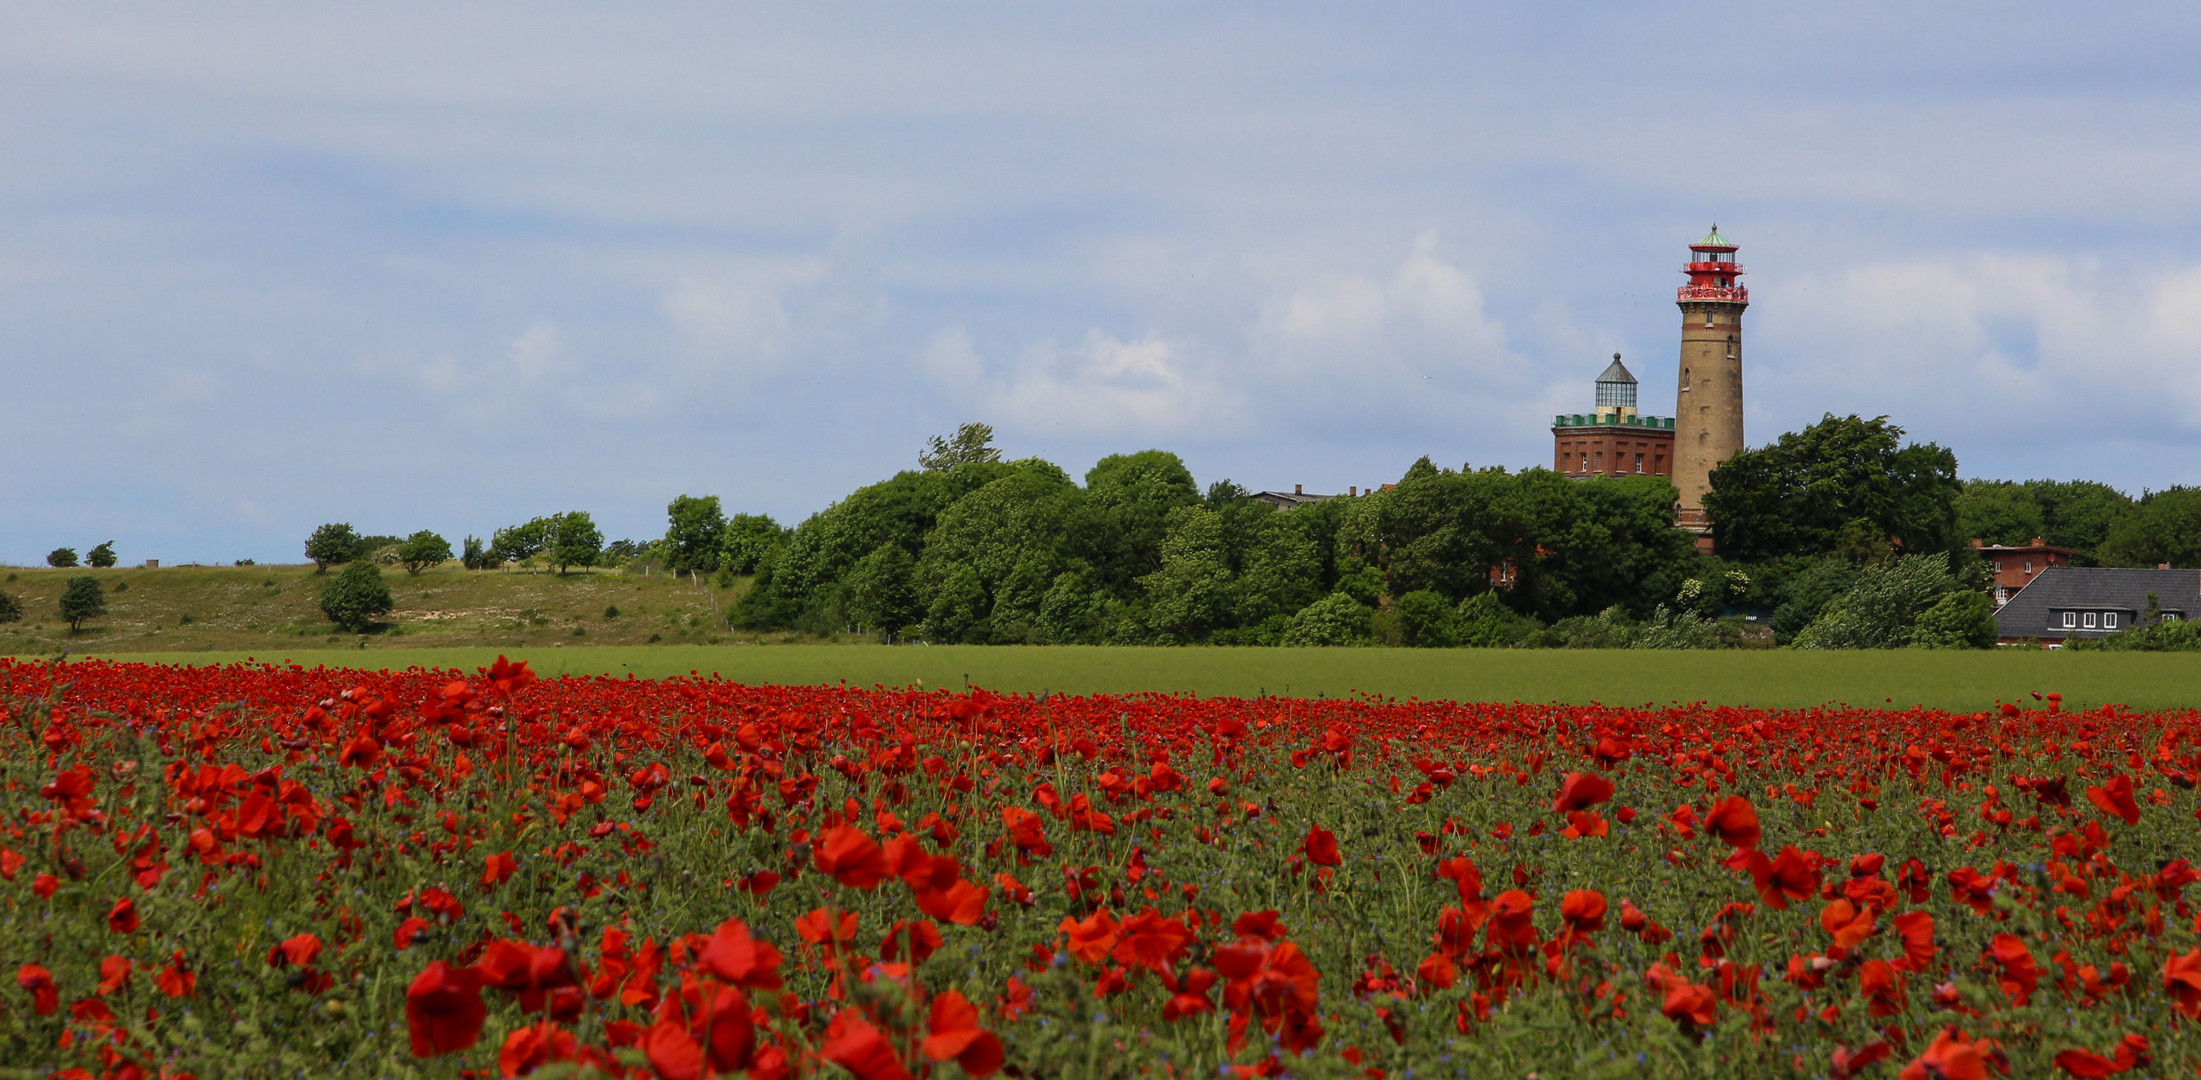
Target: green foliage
column 81, row 601
column 746, row 542
column 422, row 550
column 1336, row 619
column 1193, row 593
column 1883, row 609
column 2164, row 527
column 1844, row 482
column 993, row 554
column 101, row 557
column 518, row 542
column 1964, row 619
column 882, row 592
column 572, row 539
column 331, row 545
column 1485, row 622
column 476, row 556
column 695, row 534
column 356, row 597
column 61, row 558
column 1608, row 629
column 1426, row 621
column 1677, row 630
column 11, row 609
column 971, row 444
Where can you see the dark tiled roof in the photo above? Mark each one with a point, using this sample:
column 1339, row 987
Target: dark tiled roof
column 2093, row 588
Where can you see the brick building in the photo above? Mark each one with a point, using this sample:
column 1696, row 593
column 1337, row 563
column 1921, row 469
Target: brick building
column 2016, row 566
column 1613, row 439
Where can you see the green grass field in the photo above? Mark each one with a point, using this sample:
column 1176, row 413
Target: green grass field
column 1772, row 678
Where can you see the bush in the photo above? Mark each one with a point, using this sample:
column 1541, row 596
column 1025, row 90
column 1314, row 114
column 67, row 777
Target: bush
column 1485, row 622
column 1336, row 619
column 1960, row 620
column 11, row 609
column 82, row 599
column 102, row 556
column 332, row 545
column 1884, row 609
column 1425, row 621
column 1677, row 630
column 1608, row 629
column 423, row 550
column 61, row 558
column 357, row 597
column 476, row 556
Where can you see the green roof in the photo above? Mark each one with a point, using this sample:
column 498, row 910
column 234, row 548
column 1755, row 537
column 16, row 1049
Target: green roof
column 1714, row 240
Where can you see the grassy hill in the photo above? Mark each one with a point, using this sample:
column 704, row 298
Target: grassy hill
column 194, row 608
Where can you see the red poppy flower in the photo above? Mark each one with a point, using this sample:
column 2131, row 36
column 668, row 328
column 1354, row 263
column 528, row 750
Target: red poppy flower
column 123, row 917
column 1917, row 928
column 1682, row 1000
column 177, row 980
column 1735, row 821
column 854, row 860
column 2182, row 981
column 1580, row 791
column 114, row 974
column 740, row 959
column 1955, row 1056
column 443, row 1009
column 1882, row 985
column 1188, row 997
column 730, row 1036
column 672, row 1051
column 953, row 1032
column 2020, row 974
column 1092, row 938
column 1584, row 910
column 296, row 951
column 854, row 1044
column 1150, row 941
column 498, row 868
column 1437, row 972
column 1848, row 925
column 534, row 1046
column 508, row 676
column 2086, row 1064
column 45, row 996
column 2115, row 797
column 1321, row 847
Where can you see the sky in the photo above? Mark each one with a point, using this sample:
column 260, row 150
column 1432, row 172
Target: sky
column 453, row 266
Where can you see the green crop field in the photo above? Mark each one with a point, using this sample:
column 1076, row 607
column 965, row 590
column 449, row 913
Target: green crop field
column 1951, row 680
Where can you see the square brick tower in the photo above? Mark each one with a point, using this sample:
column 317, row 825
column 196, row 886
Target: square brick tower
column 1708, row 406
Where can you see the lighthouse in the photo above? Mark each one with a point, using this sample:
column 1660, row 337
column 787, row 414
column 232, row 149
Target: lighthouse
column 1708, row 406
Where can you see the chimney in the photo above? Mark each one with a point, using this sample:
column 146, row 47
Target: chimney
column 1354, row 490
column 2162, row 566
column 1299, row 489
column 2038, row 542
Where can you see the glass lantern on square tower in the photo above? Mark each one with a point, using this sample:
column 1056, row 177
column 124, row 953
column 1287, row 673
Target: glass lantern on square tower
column 1612, row 439
column 1708, row 405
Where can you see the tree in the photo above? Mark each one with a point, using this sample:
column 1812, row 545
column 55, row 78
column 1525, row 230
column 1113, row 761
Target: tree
column 1336, row 619
column 1426, row 621
column 474, row 556
column 355, row 598
column 746, row 540
column 520, row 542
column 61, row 558
column 881, row 594
column 82, row 599
column 696, row 534
column 971, row 443
column 1193, row 593
column 1839, row 480
column 423, row 550
column 2078, row 514
column 1886, row 606
column 11, row 609
column 573, row 540
column 331, row 545
column 1964, row 619
column 1999, row 512
column 2164, row 527
column 101, row 557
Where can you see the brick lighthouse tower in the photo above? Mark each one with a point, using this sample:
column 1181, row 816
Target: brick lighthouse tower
column 1708, row 409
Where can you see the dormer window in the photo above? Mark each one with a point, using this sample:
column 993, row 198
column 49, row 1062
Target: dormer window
column 2070, row 620
column 2089, row 620
column 2109, row 620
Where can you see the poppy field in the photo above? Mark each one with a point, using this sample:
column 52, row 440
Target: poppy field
column 261, row 870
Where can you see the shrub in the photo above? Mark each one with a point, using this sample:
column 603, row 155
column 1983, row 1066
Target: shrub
column 11, row 609
column 357, row 597
column 1336, row 619
column 1677, row 630
column 476, row 556
column 61, row 558
column 332, row 545
column 1486, row 622
column 1426, row 621
column 82, row 599
column 423, row 550
column 102, row 556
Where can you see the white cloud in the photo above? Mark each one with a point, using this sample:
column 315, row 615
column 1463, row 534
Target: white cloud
column 733, row 315
column 538, row 354
column 1103, row 386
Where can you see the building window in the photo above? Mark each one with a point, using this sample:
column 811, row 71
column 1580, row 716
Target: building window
column 1639, row 463
column 2170, row 616
column 2109, row 620
column 2028, row 566
column 2070, row 619
column 2089, row 620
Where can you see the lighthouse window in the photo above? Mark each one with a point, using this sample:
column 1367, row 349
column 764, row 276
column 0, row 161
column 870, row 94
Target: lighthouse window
column 1708, row 318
